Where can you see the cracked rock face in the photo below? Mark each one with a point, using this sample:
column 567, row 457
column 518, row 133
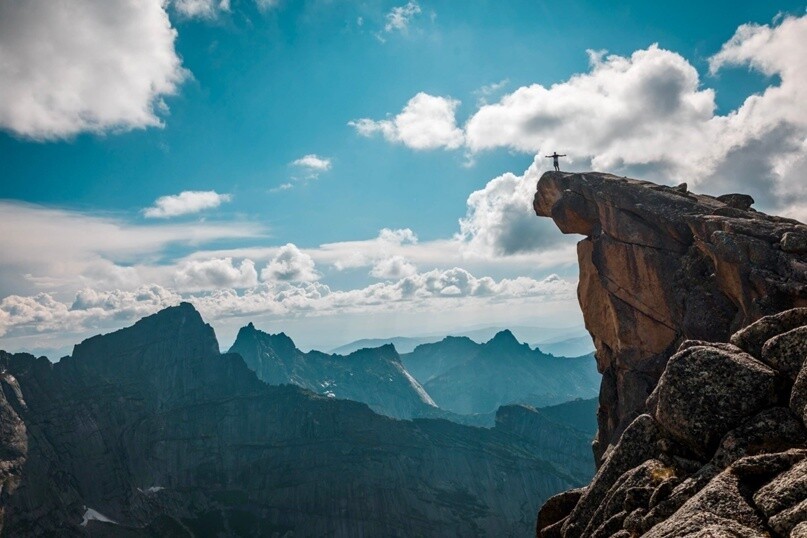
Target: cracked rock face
column 659, row 266
column 701, row 301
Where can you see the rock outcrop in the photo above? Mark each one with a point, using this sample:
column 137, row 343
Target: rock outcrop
column 149, row 431
column 696, row 306
column 660, row 265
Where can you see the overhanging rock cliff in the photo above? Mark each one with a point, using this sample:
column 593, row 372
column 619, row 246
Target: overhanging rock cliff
column 660, row 265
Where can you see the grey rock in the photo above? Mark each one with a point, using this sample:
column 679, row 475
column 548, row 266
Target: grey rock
column 631, row 491
column 773, row 430
column 705, row 392
column 786, row 352
column 720, row 505
column 637, row 444
column 795, row 242
column 754, row 336
column 798, row 396
column 737, row 201
column 784, row 491
column 784, row 521
column 558, row 507
column 799, row 531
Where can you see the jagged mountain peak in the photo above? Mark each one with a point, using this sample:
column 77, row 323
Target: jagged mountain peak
column 175, row 331
column 505, row 341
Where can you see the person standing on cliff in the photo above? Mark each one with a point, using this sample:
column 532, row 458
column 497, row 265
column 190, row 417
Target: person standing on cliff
column 554, row 158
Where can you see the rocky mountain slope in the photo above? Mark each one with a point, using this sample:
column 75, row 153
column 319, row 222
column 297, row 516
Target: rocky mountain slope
column 702, row 426
column 661, row 265
column 374, row 376
column 465, row 377
column 149, row 431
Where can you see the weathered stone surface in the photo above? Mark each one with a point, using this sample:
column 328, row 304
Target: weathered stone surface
column 786, row 352
column 799, row 531
column 737, row 201
column 637, row 444
column 783, row 492
column 754, row 337
column 784, row 521
column 661, row 265
column 720, row 505
column 558, row 507
column 798, row 396
column 773, row 430
column 704, row 392
column 794, row 242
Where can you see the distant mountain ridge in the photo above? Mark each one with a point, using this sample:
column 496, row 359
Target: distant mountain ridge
column 149, row 431
column 374, row 376
column 465, row 377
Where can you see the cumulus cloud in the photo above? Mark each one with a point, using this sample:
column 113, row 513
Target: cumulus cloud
column 194, row 275
column 90, row 309
column 42, row 313
column 426, row 122
column 290, row 265
column 202, row 9
column 394, row 267
column 399, row 17
column 185, row 203
column 500, row 219
column 85, row 66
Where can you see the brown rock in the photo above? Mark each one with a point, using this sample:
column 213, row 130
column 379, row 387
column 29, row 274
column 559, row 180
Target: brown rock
column 784, row 491
column 794, row 242
column 657, row 267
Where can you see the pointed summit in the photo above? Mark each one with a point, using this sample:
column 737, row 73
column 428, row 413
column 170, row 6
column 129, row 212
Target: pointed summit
column 504, row 340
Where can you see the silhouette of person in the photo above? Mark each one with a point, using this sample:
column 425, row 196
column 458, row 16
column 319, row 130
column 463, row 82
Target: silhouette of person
column 554, row 158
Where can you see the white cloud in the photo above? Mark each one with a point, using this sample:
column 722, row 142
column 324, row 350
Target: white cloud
column 649, row 114
column 58, row 249
column 428, row 292
column 394, row 267
column 290, row 265
column 85, row 66
column 501, row 221
column 185, row 203
column 202, row 9
column 399, row 17
column 312, row 165
column 195, row 275
column 426, row 122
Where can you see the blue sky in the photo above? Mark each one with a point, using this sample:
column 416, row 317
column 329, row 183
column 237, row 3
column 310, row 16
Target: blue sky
column 143, row 101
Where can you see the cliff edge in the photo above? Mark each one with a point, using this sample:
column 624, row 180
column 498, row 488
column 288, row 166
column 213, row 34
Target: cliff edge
column 695, row 304
column 660, row 265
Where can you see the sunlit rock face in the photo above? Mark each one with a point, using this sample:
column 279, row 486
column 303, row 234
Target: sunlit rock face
column 149, row 431
column 660, row 265
column 696, row 306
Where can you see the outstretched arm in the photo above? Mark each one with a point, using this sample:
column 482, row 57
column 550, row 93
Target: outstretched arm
column 562, row 155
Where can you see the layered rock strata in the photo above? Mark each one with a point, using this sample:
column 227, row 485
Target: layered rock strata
column 660, row 265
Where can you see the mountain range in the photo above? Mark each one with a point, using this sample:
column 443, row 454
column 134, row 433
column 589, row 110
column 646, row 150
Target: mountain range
column 150, row 431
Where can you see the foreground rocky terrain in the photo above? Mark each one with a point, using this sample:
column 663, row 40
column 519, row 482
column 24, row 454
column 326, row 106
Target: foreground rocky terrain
column 704, row 398
column 149, row 431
